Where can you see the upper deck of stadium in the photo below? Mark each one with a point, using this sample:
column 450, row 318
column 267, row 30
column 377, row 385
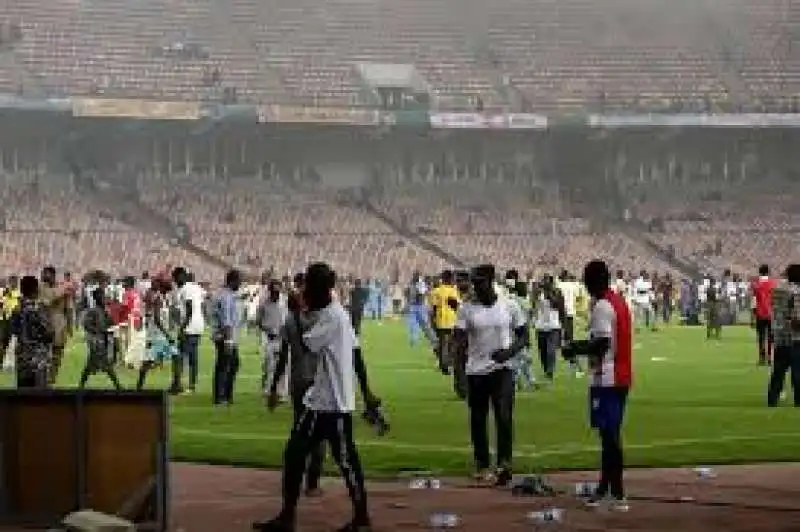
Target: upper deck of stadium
column 542, row 55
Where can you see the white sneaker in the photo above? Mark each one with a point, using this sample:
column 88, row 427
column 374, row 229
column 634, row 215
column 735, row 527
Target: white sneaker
column 619, row 505
column 608, row 502
column 595, row 501
column 579, row 374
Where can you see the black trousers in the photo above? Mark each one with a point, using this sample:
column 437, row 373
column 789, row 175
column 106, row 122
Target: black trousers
column 316, row 454
column 98, row 358
column 28, row 377
column 5, row 334
column 460, row 384
column 356, row 318
column 495, row 390
column 444, row 351
column 765, row 338
column 226, row 367
column 569, row 330
column 311, row 429
column 666, row 310
column 547, row 342
column 786, row 359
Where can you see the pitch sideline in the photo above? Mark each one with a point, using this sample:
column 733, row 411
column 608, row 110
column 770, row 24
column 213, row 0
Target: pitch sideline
column 526, row 450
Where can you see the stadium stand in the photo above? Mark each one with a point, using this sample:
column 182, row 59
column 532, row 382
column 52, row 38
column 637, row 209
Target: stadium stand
column 50, row 223
column 255, row 226
column 250, row 223
column 564, row 55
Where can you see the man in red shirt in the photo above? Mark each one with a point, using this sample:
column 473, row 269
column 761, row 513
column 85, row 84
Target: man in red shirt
column 131, row 311
column 609, row 351
column 762, row 312
column 116, row 312
column 132, row 300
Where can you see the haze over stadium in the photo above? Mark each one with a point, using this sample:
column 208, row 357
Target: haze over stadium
column 391, row 138
column 412, row 193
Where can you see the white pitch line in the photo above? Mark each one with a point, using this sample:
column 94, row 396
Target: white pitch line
column 564, row 450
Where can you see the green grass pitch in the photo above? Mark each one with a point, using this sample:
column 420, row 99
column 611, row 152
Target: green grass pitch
column 694, row 402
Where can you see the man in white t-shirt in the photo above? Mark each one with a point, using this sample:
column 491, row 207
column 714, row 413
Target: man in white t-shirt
column 270, row 318
column 144, row 283
column 189, row 300
column 643, row 300
column 730, row 292
column 620, row 285
column 488, row 329
column 570, row 290
column 702, row 290
column 548, row 314
column 329, row 404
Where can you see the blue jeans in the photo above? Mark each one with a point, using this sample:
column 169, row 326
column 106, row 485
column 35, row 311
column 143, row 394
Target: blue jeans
column 606, row 415
column 523, row 370
column 417, row 322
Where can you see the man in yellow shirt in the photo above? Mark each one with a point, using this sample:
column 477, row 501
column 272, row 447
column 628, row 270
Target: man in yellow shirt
column 443, row 318
column 11, row 298
column 10, row 303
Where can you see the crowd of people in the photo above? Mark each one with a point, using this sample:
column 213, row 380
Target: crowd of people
column 151, row 320
column 481, row 327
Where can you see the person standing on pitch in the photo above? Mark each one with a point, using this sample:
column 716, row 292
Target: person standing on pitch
column 303, row 368
column 270, row 319
column 417, row 317
column 762, row 289
column 713, row 311
column 570, row 290
column 642, row 297
column 99, row 336
column 488, row 329
column 34, row 333
column 54, row 299
column 523, row 361
column 329, row 404
column 608, row 350
column 786, row 323
column 359, row 295
column 443, row 318
column 227, row 320
column 549, row 314
column 191, row 324
column 458, row 350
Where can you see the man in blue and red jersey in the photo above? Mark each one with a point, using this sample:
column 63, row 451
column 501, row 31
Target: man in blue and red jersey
column 762, row 312
column 609, row 350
